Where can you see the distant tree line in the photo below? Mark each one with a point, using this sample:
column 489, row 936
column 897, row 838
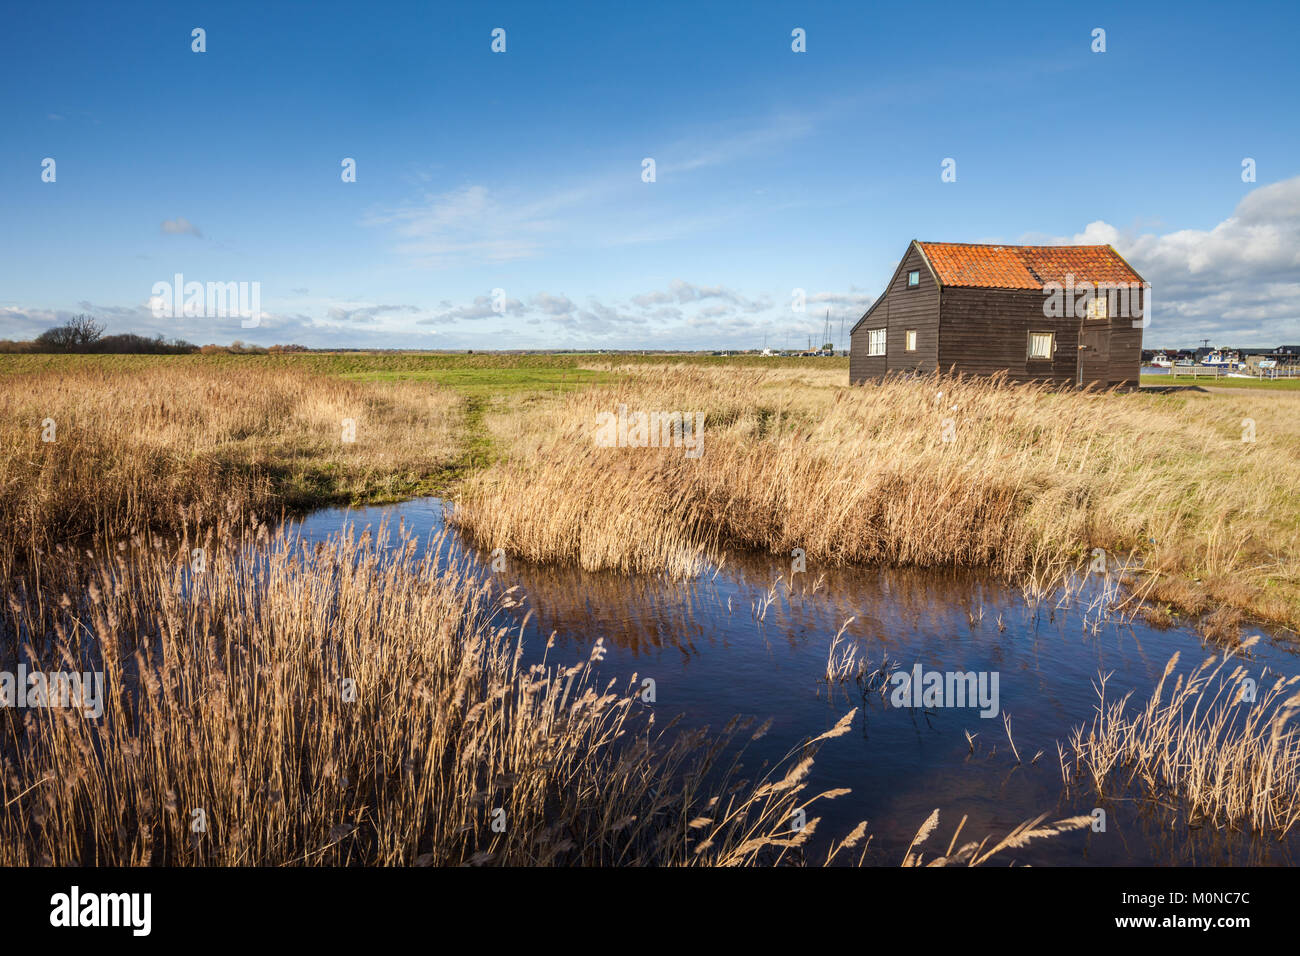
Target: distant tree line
column 83, row 333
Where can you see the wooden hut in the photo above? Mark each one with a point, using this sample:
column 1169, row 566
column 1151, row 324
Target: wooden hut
column 1061, row 314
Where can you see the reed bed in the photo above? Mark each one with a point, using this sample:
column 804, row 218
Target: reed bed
column 932, row 472
column 350, row 703
column 1227, row 749
column 89, row 445
column 358, row 703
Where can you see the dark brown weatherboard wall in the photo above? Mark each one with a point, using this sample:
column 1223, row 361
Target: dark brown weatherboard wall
column 898, row 310
column 861, row 366
column 1126, row 347
column 1113, row 348
column 984, row 331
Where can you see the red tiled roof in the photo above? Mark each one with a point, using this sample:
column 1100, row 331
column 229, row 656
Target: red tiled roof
column 1025, row 267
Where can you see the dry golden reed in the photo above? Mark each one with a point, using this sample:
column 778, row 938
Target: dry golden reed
column 979, row 852
column 354, row 703
column 350, row 703
column 1227, row 749
column 929, row 472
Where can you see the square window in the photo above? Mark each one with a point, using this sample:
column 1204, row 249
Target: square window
column 914, row 278
column 911, row 340
column 1097, row 307
column 876, row 342
column 1041, row 345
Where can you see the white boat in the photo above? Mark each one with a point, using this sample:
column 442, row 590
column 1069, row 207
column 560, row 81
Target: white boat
column 1220, row 360
column 1162, row 360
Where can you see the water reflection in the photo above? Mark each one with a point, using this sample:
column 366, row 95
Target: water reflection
column 751, row 639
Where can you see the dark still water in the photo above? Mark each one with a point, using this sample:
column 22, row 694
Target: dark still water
column 729, row 643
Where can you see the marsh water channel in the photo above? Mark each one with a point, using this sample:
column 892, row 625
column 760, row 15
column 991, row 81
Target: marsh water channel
column 729, row 643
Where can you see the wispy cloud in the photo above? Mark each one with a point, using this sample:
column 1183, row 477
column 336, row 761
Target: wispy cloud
column 367, row 313
column 483, row 224
column 680, row 315
column 483, row 307
column 180, row 226
column 465, row 226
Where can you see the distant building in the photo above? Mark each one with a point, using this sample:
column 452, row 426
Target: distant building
column 982, row 309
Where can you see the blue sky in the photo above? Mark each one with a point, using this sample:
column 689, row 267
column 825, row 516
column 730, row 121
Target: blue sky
column 522, row 171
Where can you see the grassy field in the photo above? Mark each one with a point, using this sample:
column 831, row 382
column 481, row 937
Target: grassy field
column 1211, row 381
column 119, row 445
column 1025, row 480
column 932, row 473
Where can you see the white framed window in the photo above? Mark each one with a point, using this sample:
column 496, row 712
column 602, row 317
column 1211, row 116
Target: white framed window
column 910, row 340
column 1041, row 345
column 875, row 341
column 1097, row 306
column 914, row 278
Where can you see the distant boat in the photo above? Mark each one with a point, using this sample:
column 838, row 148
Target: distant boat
column 1220, row 360
column 1162, row 360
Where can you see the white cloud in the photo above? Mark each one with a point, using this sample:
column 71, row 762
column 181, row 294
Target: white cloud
column 481, row 308
column 854, row 301
column 681, row 292
column 557, row 305
column 1235, row 283
column 180, row 226
column 366, row 313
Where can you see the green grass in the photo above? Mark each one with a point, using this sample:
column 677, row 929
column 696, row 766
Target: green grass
column 1209, row 381
column 486, row 381
column 470, row 369
column 480, row 375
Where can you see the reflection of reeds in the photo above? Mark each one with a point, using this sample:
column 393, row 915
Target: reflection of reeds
column 1030, row 481
column 226, row 694
column 655, row 611
column 1228, row 749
